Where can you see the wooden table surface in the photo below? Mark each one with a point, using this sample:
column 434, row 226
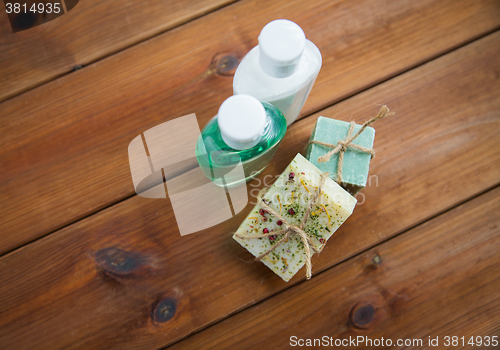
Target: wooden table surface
column 85, row 263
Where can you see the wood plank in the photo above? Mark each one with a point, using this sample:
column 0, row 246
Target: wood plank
column 98, row 283
column 92, row 30
column 423, row 283
column 65, row 156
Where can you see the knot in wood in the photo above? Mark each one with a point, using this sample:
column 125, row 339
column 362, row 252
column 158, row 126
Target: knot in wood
column 118, row 262
column 362, row 316
column 164, row 310
column 25, row 20
column 225, row 64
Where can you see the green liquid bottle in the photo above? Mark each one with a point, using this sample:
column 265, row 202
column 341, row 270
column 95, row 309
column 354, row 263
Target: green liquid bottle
column 245, row 134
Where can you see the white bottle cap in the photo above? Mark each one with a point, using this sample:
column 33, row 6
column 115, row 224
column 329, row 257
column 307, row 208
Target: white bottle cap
column 281, row 43
column 242, row 119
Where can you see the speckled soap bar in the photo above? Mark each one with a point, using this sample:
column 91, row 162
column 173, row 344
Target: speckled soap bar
column 356, row 163
column 289, row 196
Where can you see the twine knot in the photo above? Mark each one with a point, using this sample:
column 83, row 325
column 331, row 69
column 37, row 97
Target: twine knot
column 290, row 229
column 343, row 145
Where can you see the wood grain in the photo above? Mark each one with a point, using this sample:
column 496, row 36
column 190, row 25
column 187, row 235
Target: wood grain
column 89, row 32
column 439, row 279
column 64, row 145
column 125, row 278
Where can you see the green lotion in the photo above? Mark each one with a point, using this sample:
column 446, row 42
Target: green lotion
column 245, row 133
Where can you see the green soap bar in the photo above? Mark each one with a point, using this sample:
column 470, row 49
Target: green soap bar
column 356, row 163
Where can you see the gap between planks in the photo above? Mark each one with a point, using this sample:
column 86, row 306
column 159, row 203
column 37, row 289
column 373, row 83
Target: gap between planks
column 112, row 53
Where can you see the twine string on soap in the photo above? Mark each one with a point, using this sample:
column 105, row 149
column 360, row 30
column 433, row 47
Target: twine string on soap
column 342, row 146
column 290, row 229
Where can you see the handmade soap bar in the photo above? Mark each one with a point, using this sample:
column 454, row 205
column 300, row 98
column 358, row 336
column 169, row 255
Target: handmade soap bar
column 355, row 163
column 290, row 196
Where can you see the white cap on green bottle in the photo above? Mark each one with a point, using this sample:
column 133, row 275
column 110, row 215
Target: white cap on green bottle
column 281, row 43
column 241, row 119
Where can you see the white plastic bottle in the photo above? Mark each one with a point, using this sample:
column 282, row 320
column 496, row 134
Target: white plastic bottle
column 280, row 70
